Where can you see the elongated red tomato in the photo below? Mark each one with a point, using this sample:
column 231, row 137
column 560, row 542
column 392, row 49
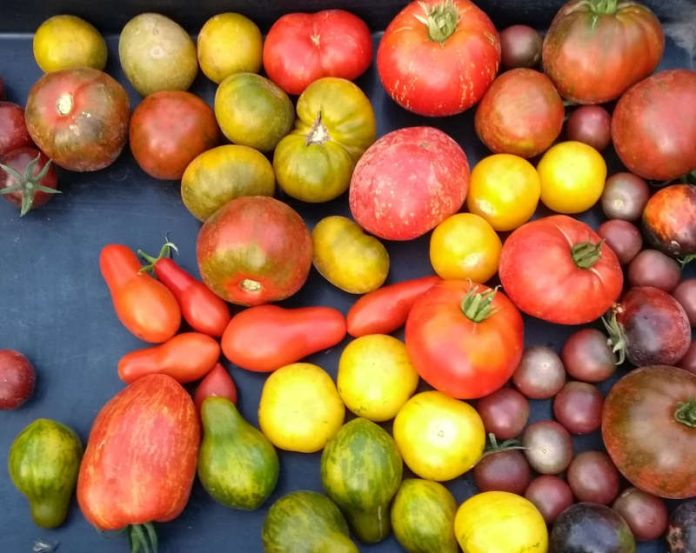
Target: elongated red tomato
column 186, row 357
column 141, row 457
column 267, row 337
column 464, row 339
column 217, row 383
column 386, row 309
column 144, row 306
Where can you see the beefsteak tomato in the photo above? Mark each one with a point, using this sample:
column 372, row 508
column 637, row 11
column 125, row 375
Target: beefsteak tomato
column 596, row 49
column 559, row 270
column 303, row 47
column 464, row 339
column 438, row 57
column 649, row 430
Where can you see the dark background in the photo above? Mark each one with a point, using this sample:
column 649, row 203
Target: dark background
column 55, row 308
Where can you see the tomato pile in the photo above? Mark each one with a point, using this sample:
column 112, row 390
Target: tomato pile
column 397, row 418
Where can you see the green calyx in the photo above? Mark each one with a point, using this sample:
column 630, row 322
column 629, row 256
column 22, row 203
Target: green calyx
column 604, row 7
column 686, row 413
column 495, row 447
column 165, row 252
column 28, row 183
column 142, row 538
column 477, row 307
column 441, row 19
column 617, row 337
column 586, row 254
column 685, row 260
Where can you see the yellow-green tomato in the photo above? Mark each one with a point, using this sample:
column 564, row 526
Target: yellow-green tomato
column 335, row 125
column 348, row 258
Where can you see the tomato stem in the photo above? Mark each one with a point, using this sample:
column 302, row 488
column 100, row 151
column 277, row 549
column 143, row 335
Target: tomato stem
column 617, row 337
column 496, row 447
column 686, row 259
column 165, row 251
column 478, row 306
column 28, row 183
column 686, row 413
column 143, row 538
column 604, row 7
column 318, row 134
column 586, row 254
column 441, row 19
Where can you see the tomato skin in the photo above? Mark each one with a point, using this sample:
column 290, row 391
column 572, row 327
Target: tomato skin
column 13, row 129
column 455, row 355
column 593, row 57
column 539, row 275
column 144, row 306
column 267, row 337
column 217, row 383
column 653, row 450
column 19, row 160
column 141, row 456
column 78, row 118
column 652, row 139
column 434, row 78
column 303, row 47
column 385, row 310
column 168, row 130
column 186, row 357
column 669, row 219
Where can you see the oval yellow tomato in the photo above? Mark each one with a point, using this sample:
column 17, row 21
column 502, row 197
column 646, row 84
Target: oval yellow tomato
column 465, row 246
column 67, row 42
column 572, row 176
column 504, row 189
column 500, row 522
column 348, row 258
column 439, row 437
column 375, row 376
column 300, row 409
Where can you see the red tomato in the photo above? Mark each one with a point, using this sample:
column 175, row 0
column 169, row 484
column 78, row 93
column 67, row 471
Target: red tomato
column 267, row 337
column 408, row 182
column 13, row 129
column 438, row 57
column 559, row 270
column 144, row 306
column 303, row 47
column 594, row 51
column 168, row 130
column 37, row 180
column 186, row 357
column 141, row 456
column 669, row 219
column 464, row 339
column 78, row 118
column 217, row 383
column 652, row 138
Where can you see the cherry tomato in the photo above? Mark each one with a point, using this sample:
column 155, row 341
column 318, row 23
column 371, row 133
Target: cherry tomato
column 540, row 373
column 13, row 130
column 504, row 413
column 520, row 46
column 17, row 379
column 27, row 179
column 593, row 478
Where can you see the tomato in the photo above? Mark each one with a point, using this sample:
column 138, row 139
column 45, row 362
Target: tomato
column 168, row 130
column 17, row 379
column 594, row 51
column 504, row 190
column 521, row 114
column 301, row 48
column 348, row 258
column 653, row 139
column 438, row 57
column 266, row 337
column 27, row 178
column 408, row 182
column 144, row 305
column 78, row 118
column 335, row 125
column 559, row 270
column 254, row 250
column 385, row 310
column 140, row 460
column 13, row 129
column 572, row 176
column 464, row 339
column 649, row 430
column 439, row 437
column 464, row 246
column 68, row 42
column 669, row 219
column 217, row 383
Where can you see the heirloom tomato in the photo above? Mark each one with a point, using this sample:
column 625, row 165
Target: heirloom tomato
column 27, row 178
column 13, row 129
column 669, row 219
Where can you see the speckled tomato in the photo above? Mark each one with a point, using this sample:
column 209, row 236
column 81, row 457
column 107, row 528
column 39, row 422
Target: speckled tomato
column 254, row 250
column 408, row 182
column 78, row 118
column 669, row 219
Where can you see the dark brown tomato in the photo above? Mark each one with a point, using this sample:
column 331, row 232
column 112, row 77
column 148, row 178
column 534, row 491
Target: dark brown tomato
column 503, row 471
column 168, row 130
column 622, row 237
column 625, row 196
column 520, row 46
column 685, row 294
column 32, row 188
column 78, row 118
column 591, row 125
column 578, row 407
column 504, row 413
column 653, row 268
column 645, row 514
column 540, row 374
column 587, row 356
column 593, row 477
column 550, row 495
column 13, row 129
column 681, row 532
column 17, row 379
column 669, row 219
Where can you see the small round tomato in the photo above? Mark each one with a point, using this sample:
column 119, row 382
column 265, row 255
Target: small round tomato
column 13, row 129
column 572, row 176
column 504, row 189
column 68, row 42
column 168, row 130
column 27, row 178
column 464, row 246
column 669, row 219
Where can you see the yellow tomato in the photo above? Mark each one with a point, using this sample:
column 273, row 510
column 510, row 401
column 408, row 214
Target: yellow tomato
column 300, row 409
column 375, row 376
column 439, row 437
column 66, row 42
column 500, row 522
column 572, row 177
column 504, row 190
column 229, row 43
column 465, row 246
